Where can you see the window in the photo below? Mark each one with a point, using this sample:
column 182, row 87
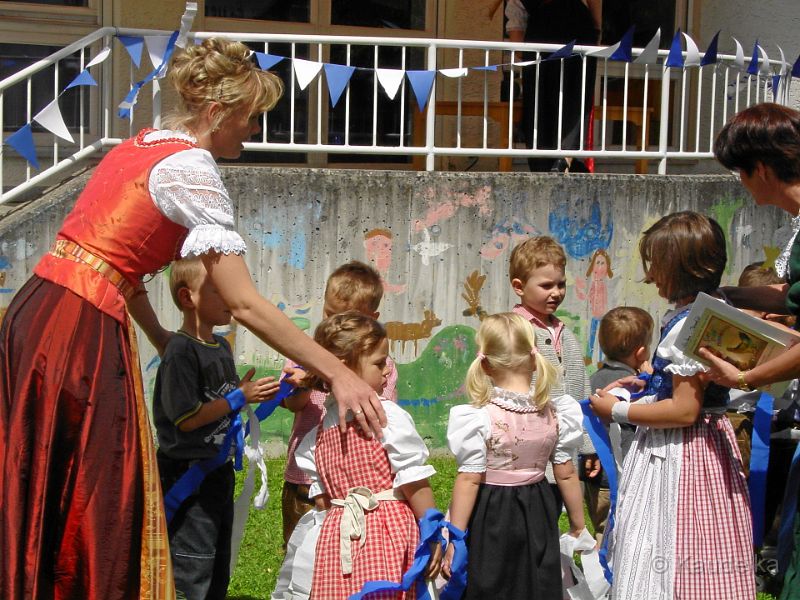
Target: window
column 647, row 15
column 294, row 11
column 58, row 2
column 14, row 58
column 392, row 14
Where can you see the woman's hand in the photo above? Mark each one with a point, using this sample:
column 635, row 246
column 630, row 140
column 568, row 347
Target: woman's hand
column 447, row 562
column 632, row 383
column 719, row 370
column 602, row 403
column 353, row 394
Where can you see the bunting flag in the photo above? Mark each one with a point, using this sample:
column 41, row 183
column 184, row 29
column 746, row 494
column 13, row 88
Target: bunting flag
column 461, row 72
column 187, row 19
column 753, row 68
column 101, row 56
column 623, row 53
column 649, row 54
column 134, row 47
column 305, row 71
column 776, row 80
column 738, row 62
column 495, row 67
column 675, row 57
column 50, row 118
column 692, row 53
column 83, row 78
column 765, row 68
column 124, row 108
column 564, row 52
column 390, row 80
column 22, row 141
column 710, row 57
column 337, row 76
column 267, row 61
column 422, row 84
column 796, row 68
column 157, row 49
column 784, row 64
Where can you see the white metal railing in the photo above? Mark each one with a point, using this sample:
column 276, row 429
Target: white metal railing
column 691, row 106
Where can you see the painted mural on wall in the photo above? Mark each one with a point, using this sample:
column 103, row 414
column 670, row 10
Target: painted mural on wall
column 441, row 242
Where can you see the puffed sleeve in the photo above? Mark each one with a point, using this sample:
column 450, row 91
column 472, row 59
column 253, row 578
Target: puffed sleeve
column 187, row 188
column 680, row 364
column 468, row 430
column 570, row 428
column 304, row 457
column 407, row 452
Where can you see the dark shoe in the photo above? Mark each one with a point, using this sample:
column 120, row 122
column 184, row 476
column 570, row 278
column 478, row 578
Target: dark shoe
column 560, row 166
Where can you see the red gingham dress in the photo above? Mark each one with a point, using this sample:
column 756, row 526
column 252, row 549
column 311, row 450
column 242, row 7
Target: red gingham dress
column 345, row 461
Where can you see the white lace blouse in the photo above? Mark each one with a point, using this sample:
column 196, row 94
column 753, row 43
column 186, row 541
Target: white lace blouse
column 469, row 429
column 406, row 450
column 187, row 188
column 680, row 364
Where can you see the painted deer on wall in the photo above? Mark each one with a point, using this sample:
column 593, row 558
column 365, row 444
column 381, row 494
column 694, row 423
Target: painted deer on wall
column 404, row 332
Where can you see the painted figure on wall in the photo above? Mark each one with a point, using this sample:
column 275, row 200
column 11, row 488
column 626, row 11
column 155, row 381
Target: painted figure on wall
column 378, row 244
column 598, row 273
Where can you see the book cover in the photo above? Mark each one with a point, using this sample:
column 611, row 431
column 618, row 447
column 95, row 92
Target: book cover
column 735, row 336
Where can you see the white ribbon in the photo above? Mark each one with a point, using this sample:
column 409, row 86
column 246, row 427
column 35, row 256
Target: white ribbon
column 590, row 584
column 356, row 504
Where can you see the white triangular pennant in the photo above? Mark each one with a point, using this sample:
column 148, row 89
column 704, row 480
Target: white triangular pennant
column 454, row 73
column 692, row 53
column 784, row 64
column 525, row 63
column 649, row 55
column 764, row 68
column 101, row 56
column 305, row 71
column 738, row 62
column 187, row 19
column 50, row 118
column 390, row 80
column 605, row 52
column 156, row 47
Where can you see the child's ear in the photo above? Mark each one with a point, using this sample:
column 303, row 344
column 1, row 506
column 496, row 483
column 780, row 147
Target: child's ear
column 375, row 315
column 518, row 285
column 185, row 297
column 641, row 354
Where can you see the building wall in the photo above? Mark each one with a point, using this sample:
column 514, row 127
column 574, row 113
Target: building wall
column 434, row 237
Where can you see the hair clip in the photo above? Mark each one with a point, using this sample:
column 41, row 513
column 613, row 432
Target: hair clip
column 534, row 351
column 480, row 356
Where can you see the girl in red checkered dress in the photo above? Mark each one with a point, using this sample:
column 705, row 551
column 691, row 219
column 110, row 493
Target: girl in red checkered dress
column 683, row 526
column 374, row 490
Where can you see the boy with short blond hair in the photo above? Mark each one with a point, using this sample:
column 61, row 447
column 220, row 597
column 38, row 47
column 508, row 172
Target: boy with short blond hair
column 536, row 270
column 625, row 334
column 194, row 401
column 351, row 286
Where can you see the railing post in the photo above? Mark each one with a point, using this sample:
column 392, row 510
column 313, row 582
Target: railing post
column 430, row 117
column 664, row 124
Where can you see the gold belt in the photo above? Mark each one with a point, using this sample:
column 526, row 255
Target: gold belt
column 72, row 251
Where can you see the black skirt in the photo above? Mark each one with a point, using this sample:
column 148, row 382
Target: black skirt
column 513, row 544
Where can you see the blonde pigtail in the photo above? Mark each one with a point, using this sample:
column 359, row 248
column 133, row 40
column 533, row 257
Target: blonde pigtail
column 546, row 376
column 478, row 384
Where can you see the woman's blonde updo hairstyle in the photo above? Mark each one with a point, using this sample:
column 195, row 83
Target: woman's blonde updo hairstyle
column 219, row 70
column 506, row 341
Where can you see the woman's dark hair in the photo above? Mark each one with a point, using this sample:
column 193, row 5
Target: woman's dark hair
column 767, row 133
column 684, row 254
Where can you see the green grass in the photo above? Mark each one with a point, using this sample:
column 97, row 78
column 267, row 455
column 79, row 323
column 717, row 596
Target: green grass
column 261, row 552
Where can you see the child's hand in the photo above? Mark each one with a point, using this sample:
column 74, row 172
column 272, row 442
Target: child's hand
column 435, row 562
column 322, row 502
column 602, row 402
column 294, row 375
column 258, row 390
column 632, row 383
column 447, row 562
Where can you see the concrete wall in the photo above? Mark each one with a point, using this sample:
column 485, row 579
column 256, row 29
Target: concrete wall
column 440, row 233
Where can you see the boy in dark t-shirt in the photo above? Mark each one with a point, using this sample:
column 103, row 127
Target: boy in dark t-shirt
column 192, row 415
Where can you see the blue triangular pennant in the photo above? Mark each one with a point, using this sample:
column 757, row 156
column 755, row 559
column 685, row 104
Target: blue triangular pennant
column 22, row 141
column 796, row 68
column 83, row 78
column 710, row 57
column 134, row 45
column 675, row 58
column 337, row 76
column 624, row 52
column 421, row 83
column 776, row 81
column 753, row 67
column 564, row 52
column 490, row 68
column 129, row 102
column 267, row 61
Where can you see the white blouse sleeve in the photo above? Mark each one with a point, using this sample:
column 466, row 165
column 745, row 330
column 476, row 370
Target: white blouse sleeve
column 304, row 457
column 516, row 16
column 468, row 430
column 680, row 363
column 570, row 428
column 187, row 189
column 407, row 452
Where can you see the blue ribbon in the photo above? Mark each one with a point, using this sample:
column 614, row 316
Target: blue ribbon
column 458, row 567
column 430, row 530
column 130, row 100
column 759, row 461
column 194, row 476
column 788, row 511
column 602, row 445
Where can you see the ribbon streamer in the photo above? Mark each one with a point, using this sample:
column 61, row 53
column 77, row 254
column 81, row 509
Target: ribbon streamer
column 458, row 567
column 759, row 461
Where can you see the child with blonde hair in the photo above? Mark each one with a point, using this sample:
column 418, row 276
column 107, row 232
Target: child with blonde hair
column 373, row 489
column 503, row 441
